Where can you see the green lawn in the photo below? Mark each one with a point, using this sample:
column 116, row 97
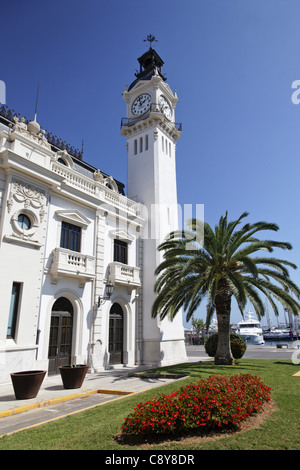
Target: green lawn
column 96, row 428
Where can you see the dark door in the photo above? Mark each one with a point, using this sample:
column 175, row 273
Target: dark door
column 60, row 340
column 116, row 334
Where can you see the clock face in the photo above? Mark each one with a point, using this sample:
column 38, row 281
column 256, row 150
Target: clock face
column 141, row 104
column 165, row 107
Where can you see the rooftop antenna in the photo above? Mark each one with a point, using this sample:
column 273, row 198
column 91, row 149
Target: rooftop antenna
column 150, row 38
column 36, row 101
column 82, row 149
column 33, row 127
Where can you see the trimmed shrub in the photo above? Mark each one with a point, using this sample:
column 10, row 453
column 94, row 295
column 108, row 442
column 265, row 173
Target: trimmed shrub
column 238, row 345
column 214, row 403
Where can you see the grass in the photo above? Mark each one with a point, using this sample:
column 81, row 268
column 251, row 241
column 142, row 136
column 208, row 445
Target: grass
column 95, row 429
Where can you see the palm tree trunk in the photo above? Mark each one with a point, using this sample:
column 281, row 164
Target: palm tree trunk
column 223, row 307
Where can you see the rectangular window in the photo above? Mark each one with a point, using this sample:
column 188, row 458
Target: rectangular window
column 135, row 147
column 70, row 236
column 141, row 144
column 146, row 142
column 120, row 251
column 14, row 309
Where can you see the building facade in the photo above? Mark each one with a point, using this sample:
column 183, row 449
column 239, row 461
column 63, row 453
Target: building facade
column 68, row 234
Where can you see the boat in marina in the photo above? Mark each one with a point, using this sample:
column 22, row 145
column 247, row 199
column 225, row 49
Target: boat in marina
column 279, row 334
column 250, row 330
column 213, row 328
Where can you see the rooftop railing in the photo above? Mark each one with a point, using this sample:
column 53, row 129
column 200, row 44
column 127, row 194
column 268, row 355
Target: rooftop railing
column 7, row 116
column 94, row 188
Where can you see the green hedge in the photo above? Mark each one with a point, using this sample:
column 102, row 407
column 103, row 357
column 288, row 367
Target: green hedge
column 238, row 345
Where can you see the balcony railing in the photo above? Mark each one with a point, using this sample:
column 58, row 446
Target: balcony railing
column 72, row 264
column 94, row 188
column 124, row 275
column 154, row 108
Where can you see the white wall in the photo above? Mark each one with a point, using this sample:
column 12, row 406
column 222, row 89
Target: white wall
column 67, row 286
column 21, row 260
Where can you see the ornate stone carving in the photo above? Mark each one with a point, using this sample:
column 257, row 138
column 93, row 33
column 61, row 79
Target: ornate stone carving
column 19, row 125
column 111, row 184
column 108, row 181
column 62, row 156
column 29, row 195
column 98, row 176
column 31, row 131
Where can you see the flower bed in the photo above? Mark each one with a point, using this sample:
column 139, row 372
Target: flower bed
column 218, row 402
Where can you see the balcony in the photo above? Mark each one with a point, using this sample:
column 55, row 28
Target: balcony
column 72, row 264
column 124, row 275
column 154, row 108
column 155, row 114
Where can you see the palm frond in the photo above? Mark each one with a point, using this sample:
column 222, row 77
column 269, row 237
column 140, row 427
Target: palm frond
column 226, row 262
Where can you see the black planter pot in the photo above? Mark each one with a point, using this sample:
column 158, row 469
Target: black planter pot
column 27, row 383
column 73, row 376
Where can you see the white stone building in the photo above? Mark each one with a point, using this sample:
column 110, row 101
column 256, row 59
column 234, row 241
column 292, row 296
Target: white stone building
column 68, row 232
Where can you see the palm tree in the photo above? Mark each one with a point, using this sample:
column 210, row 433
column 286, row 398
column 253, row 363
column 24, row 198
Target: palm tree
column 222, row 267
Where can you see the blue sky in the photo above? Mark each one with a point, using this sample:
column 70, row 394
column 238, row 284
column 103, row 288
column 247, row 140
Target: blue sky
column 232, row 63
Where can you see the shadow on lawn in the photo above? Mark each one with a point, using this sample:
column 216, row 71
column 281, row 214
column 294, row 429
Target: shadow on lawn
column 198, row 369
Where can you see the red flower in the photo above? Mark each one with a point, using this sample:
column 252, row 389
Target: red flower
column 217, row 401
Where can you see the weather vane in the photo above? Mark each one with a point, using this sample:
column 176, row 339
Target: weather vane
column 150, row 39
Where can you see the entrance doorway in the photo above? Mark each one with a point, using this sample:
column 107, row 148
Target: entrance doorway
column 115, row 347
column 60, row 340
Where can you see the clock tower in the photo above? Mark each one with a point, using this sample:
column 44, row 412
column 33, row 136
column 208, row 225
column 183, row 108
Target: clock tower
column 151, row 135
